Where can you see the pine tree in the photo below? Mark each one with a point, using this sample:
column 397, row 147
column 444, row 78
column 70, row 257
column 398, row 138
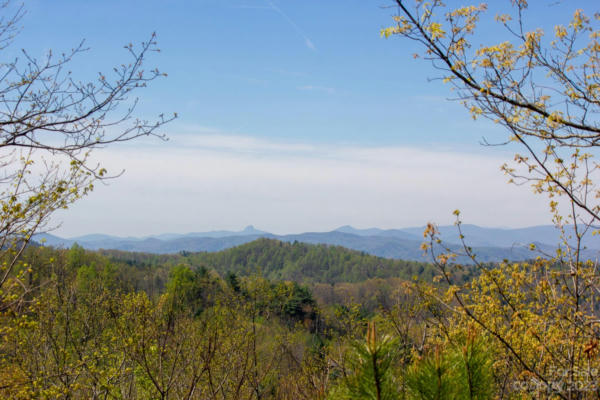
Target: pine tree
column 462, row 371
column 371, row 375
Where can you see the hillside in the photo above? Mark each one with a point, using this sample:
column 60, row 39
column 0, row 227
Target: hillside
column 296, row 261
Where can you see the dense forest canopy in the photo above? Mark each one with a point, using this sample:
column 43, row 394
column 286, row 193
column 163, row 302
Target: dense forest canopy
column 300, row 262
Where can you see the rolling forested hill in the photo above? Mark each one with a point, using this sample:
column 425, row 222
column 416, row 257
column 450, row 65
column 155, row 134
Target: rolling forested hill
column 304, row 262
column 300, row 262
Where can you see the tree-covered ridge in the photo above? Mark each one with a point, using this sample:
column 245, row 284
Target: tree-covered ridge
column 299, row 262
column 303, row 262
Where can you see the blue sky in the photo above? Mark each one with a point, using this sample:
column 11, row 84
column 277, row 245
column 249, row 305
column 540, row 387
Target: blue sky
column 263, row 87
column 308, row 70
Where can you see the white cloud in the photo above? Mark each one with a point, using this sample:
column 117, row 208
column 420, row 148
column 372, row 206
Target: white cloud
column 216, row 181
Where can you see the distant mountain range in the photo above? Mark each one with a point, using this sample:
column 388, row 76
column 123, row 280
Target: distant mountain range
column 490, row 244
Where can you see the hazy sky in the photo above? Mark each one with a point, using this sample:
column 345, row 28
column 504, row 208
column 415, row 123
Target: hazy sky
column 294, row 115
